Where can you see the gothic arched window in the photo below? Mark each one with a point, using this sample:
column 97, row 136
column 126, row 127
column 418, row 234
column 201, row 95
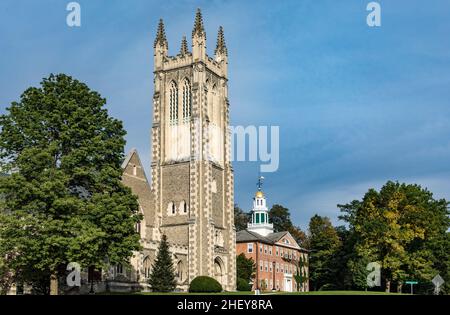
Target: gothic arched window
column 174, row 210
column 173, row 103
column 187, row 100
column 214, row 105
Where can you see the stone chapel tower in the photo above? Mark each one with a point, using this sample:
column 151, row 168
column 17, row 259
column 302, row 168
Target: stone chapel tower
column 192, row 177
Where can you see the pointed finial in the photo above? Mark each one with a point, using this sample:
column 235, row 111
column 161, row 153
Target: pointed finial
column 161, row 35
column 221, row 47
column 260, row 182
column 198, row 25
column 184, row 47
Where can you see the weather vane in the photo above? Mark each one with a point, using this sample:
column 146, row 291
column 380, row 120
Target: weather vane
column 260, row 182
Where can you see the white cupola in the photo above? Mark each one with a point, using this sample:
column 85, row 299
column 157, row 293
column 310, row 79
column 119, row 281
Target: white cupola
column 260, row 213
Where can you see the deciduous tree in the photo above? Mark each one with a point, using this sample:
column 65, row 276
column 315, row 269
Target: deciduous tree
column 64, row 200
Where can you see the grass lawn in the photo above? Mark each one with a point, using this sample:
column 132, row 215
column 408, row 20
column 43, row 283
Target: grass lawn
column 268, row 293
column 338, row 293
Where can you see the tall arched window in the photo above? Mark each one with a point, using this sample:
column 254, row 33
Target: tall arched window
column 214, row 105
column 187, row 99
column 173, row 103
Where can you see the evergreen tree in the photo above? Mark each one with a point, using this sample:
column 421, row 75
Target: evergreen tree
column 162, row 277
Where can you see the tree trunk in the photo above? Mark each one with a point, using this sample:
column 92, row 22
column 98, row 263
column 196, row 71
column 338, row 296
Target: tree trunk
column 388, row 286
column 54, row 284
column 399, row 287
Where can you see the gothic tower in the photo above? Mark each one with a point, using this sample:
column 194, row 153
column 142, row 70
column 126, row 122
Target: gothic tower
column 192, row 176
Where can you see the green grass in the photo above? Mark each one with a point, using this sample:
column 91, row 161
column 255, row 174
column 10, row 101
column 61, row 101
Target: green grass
column 268, row 293
column 338, row 293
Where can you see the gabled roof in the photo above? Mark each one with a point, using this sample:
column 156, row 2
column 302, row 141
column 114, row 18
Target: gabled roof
column 275, row 237
column 130, row 154
column 272, row 238
column 247, row 236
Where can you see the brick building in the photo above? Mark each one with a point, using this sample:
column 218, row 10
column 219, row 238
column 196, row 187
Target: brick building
column 277, row 256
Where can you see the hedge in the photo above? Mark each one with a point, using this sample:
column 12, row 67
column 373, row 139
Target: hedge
column 205, row 284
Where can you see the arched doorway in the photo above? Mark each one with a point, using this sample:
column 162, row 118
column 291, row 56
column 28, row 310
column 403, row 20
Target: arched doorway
column 219, row 270
column 180, row 272
column 147, row 267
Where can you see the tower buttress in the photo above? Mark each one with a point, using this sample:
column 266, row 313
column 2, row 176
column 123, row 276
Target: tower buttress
column 184, row 47
column 198, row 38
column 161, row 46
column 221, row 51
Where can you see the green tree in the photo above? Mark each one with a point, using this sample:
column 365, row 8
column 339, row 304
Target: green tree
column 280, row 217
column 245, row 268
column 324, row 244
column 64, row 200
column 300, row 274
column 162, row 277
column 405, row 229
column 240, row 218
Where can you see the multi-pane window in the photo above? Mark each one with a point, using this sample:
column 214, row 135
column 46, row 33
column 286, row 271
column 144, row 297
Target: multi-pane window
column 173, row 103
column 261, row 265
column 265, row 249
column 260, row 248
column 187, row 100
column 270, row 250
column 266, row 266
column 250, row 247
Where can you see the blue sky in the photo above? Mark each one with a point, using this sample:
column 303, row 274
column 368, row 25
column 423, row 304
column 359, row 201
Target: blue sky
column 356, row 106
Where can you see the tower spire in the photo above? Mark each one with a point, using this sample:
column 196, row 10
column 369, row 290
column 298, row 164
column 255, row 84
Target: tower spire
column 221, row 47
column 184, row 46
column 161, row 35
column 198, row 24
